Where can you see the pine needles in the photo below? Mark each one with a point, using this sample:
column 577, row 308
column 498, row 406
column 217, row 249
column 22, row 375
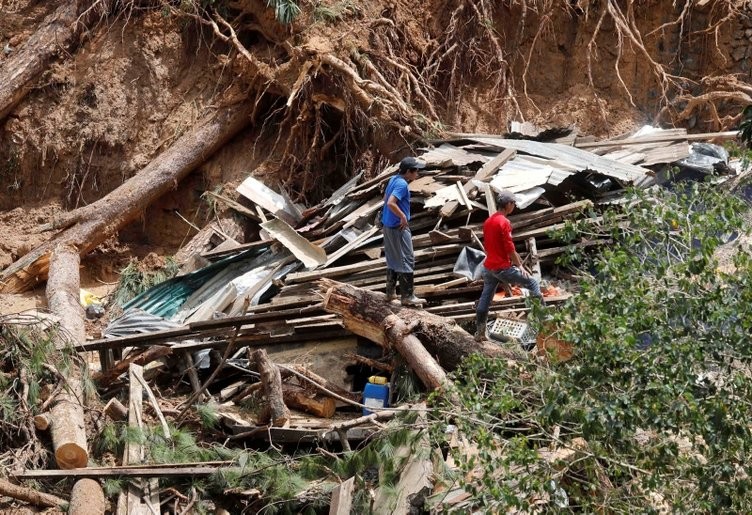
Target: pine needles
column 135, row 279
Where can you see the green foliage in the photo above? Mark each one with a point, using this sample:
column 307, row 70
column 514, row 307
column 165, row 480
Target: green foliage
column 740, row 152
column 336, row 12
column 113, row 486
column 406, row 385
column 285, row 11
column 8, row 407
column 182, row 447
column 135, row 280
column 659, row 388
column 109, row 440
column 207, row 414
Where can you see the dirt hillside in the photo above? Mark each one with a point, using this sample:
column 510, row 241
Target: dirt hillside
column 339, row 87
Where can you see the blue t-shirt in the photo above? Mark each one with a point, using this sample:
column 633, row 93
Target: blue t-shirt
column 396, row 186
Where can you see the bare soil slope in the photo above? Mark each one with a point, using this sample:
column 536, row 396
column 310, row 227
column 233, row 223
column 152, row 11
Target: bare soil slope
column 345, row 86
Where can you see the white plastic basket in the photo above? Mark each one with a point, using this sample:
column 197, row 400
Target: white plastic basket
column 506, row 327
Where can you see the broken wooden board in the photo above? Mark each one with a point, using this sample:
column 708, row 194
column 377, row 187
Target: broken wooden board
column 341, row 503
column 310, row 254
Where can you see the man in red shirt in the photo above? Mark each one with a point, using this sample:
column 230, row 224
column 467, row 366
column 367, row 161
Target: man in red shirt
column 503, row 263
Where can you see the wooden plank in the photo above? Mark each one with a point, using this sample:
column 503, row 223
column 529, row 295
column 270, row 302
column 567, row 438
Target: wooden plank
column 425, row 186
column 449, row 209
column 490, row 168
column 667, row 154
column 235, row 205
column 535, row 268
column 301, row 277
column 341, row 503
column 572, row 156
column 357, row 242
column 132, row 501
column 463, row 195
column 422, row 290
column 148, row 471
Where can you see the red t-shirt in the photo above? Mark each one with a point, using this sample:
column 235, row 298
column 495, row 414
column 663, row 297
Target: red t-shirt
column 497, row 240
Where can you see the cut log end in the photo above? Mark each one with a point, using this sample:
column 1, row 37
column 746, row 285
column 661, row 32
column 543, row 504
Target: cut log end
column 71, row 456
column 42, row 422
column 87, row 498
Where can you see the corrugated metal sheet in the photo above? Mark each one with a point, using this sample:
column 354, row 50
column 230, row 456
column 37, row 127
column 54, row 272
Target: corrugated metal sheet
column 137, row 321
column 581, row 159
column 165, row 299
column 458, row 156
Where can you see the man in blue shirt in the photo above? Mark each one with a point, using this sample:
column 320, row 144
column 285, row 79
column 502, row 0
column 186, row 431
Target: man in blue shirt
column 398, row 240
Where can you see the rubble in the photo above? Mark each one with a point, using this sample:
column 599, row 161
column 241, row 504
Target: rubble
column 279, row 334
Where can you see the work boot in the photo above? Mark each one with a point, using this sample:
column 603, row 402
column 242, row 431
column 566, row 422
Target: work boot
column 481, row 327
column 407, row 290
column 391, row 284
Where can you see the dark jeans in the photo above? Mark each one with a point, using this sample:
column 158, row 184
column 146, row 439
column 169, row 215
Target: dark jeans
column 512, row 275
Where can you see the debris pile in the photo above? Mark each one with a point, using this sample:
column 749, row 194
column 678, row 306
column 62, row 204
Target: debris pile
column 272, row 342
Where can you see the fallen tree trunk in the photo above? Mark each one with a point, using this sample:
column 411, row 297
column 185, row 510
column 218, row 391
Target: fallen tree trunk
column 364, row 313
column 409, row 347
column 67, row 413
column 24, row 66
column 30, row 495
column 93, row 224
column 271, row 380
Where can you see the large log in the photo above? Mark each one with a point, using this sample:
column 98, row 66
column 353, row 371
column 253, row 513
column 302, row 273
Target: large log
column 95, row 223
column 87, row 498
column 67, row 413
column 365, row 312
column 25, row 65
column 409, row 347
column 271, row 380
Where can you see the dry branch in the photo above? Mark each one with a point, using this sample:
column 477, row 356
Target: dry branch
column 30, row 495
column 271, row 380
column 151, row 354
